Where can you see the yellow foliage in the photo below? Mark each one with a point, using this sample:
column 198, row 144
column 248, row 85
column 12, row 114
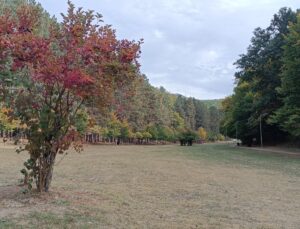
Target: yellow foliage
column 96, row 129
column 202, row 133
column 6, row 122
column 221, row 137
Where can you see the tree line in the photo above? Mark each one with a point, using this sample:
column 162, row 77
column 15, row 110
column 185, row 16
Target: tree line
column 147, row 115
column 265, row 105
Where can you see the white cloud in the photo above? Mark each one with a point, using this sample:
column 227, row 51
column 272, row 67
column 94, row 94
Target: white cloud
column 206, row 57
column 233, row 5
column 158, row 34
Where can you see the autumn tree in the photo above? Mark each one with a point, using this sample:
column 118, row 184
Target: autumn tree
column 202, row 134
column 47, row 78
column 202, row 117
column 140, row 109
column 114, row 127
column 6, row 123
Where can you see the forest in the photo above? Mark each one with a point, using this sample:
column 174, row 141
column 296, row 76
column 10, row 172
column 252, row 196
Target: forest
column 150, row 113
column 144, row 112
column 265, row 105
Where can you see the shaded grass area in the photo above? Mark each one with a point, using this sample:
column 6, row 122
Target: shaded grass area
column 235, row 156
column 204, row 186
column 8, row 223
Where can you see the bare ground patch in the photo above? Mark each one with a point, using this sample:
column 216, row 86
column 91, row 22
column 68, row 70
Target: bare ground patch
column 158, row 187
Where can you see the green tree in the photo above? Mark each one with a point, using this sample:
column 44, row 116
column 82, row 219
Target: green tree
column 214, row 120
column 146, row 136
column 114, row 127
column 202, row 115
column 190, row 113
column 125, row 131
column 257, row 77
column 152, row 129
column 288, row 116
column 81, row 121
column 177, row 121
column 187, row 136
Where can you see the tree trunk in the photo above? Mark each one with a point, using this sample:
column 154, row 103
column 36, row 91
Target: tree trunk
column 44, row 177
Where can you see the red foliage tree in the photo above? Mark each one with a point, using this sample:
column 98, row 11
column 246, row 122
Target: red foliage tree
column 51, row 76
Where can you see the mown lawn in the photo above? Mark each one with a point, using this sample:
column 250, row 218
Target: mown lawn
column 204, row 186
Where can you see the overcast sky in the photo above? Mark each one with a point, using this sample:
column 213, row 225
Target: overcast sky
column 190, row 45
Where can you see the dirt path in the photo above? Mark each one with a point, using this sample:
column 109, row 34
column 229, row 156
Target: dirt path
column 277, row 150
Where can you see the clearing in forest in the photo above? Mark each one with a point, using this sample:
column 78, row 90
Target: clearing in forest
column 203, row 186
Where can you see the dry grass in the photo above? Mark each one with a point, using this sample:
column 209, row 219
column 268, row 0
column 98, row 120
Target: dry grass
column 204, row 186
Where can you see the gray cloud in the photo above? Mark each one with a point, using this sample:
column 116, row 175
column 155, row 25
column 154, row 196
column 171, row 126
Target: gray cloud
column 189, row 45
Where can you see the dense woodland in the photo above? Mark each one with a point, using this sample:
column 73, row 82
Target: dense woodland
column 155, row 114
column 267, row 92
column 143, row 114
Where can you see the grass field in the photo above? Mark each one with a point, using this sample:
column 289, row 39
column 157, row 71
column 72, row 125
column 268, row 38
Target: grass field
column 204, row 186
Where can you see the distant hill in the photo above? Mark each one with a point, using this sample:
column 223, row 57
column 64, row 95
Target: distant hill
column 213, row 102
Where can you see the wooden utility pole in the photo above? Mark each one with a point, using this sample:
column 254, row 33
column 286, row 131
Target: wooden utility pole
column 236, row 132
column 260, row 129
